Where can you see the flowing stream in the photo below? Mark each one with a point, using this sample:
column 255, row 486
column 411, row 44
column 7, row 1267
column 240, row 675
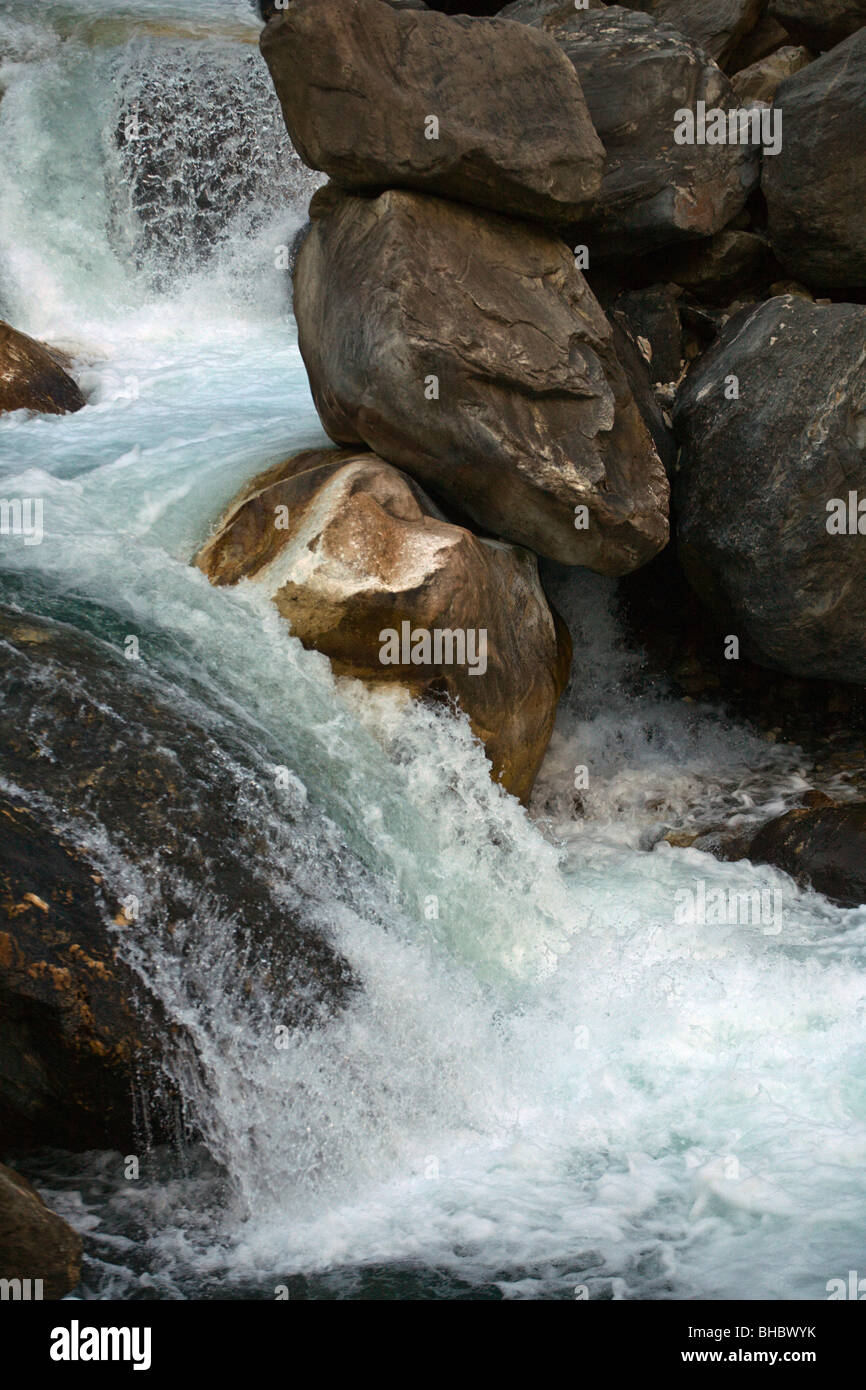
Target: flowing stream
column 547, row 1084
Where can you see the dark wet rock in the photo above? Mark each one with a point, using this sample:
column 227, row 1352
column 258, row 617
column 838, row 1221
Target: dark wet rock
column 816, row 186
column 761, row 80
column 123, row 811
column 652, row 316
column 631, row 352
column 717, row 267
column 819, row 24
column 31, row 378
column 477, row 359
column 360, row 84
column 35, row 1243
column 767, row 37
column 756, row 475
column 636, row 74
column 821, row 846
column 364, row 551
column 716, row 26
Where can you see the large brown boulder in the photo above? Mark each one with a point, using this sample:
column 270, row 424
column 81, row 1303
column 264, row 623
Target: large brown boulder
column 816, row 186
column 635, row 75
column 35, row 1243
column 31, row 378
column 351, row 550
column 475, row 357
column 361, row 83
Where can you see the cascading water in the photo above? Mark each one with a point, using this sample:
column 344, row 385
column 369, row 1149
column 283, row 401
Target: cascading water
column 551, row 1083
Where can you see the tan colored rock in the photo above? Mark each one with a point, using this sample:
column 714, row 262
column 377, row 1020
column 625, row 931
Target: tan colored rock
column 361, row 85
column 760, row 81
column 350, row 549
column 468, row 350
column 35, row 1243
column 31, row 377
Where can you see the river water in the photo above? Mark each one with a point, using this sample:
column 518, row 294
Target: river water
column 549, row 1085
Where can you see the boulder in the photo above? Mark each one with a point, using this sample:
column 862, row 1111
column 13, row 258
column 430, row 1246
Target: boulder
column 35, row 1243
column 477, row 110
column 364, row 553
column 716, row 26
column 819, row 24
column 761, row 80
column 476, row 358
column 652, row 316
column 822, row 847
column 767, row 37
column 635, row 75
column 32, row 379
column 816, row 186
column 717, row 267
column 762, row 477
column 117, row 793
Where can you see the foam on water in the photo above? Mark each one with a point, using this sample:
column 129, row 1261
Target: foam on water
column 555, row 1081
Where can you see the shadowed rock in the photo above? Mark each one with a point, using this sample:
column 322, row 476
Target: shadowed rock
column 361, row 85
column 816, row 186
column 349, row 549
column 822, row 847
column 819, row 23
column 757, row 539
column 475, row 357
column 716, row 26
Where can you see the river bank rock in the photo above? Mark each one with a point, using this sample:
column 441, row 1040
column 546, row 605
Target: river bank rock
column 32, row 379
column 816, row 186
column 364, row 553
column 819, row 24
column 476, row 110
column 772, row 422
column 477, row 359
column 760, row 81
column 125, row 813
column 35, row 1243
column 716, row 26
column 823, row 847
column 635, row 75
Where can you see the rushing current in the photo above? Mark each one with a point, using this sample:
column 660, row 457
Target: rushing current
column 548, row 1086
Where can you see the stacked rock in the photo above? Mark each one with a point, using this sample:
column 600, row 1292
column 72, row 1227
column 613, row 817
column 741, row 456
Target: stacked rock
column 446, row 326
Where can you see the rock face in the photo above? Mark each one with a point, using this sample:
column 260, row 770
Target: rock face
column 819, row 24
column 365, row 552
column 761, row 80
column 653, row 316
column 636, row 74
column 716, row 26
column 31, row 379
column 477, row 359
column 822, row 847
column 718, row 267
column 136, row 787
column 816, row 186
column 758, row 476
column 34, row 1242
column 471, row 109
